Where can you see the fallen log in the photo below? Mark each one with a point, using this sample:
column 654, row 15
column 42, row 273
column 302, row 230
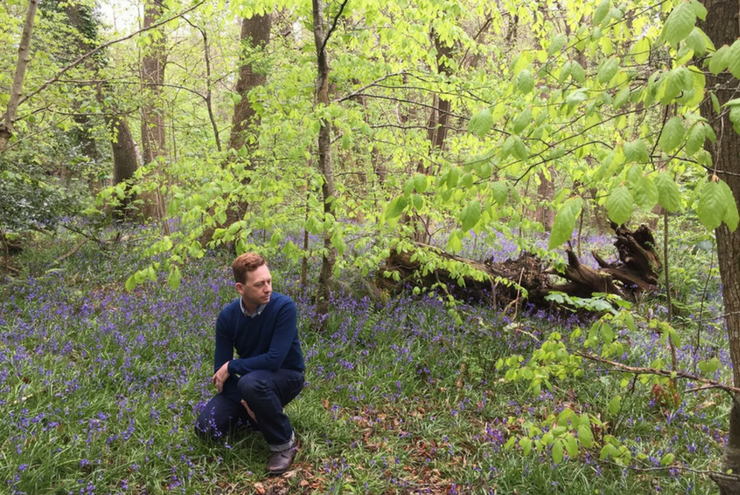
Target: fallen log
column 501, row 283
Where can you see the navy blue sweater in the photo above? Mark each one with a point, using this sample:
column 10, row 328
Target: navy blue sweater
column 269, row 341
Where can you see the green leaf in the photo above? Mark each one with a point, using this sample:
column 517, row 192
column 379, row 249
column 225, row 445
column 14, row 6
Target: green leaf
column 641, row 51
column 667, row 459
column 608, row 70
column 454, row 244
column 669, row 196
column 712, row 205
column 585, row 436
column 601, row 11
column 734, row 59
column 697, row 41
column 621, row 97
column 500, row 192
column 577, row 72
column 620, row 205
column 174, row 277
column 565, row 222
column 131, row 283
column 576, row 97
column 524, row 82
column 607, row 333
column 672, row 135
column 679, row 24
column 645, row 193
column 719, row 60
column 557, row 44
column 522, row 121
column 470, row 215
column 677, row 81
column 731, row 217
column 696, row 137
column 636, row 151
column 481, row 123
column 420, row 183
column 735, row 117
column 526, row 444
column 396, row 207
column 615, row 405
column 571, row 446
column 454, row 177
column 557, row 452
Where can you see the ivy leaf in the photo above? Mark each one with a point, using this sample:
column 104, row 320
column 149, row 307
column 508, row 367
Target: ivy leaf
column 608, row 70
column 470, row 215
column 673, row 135
column 524, row 82
column 500, row 192
column 731, row 218
column 679, row 24
column 481, row 123
column 620, row 205
column 636, row 151
column 712, row 205
column 565, row 222
column 669, row 197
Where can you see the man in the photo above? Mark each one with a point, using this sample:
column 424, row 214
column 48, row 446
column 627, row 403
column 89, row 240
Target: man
column 253, row 389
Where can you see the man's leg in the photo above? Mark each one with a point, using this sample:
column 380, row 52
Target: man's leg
column 220, row 416
column 266, row 393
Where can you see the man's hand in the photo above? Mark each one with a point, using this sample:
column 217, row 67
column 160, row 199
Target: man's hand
column 220, row 377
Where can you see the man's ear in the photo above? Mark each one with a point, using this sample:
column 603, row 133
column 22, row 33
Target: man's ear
column 240, row 288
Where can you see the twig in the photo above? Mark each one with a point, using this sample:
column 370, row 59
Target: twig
column 653, row 371
column 74, row 250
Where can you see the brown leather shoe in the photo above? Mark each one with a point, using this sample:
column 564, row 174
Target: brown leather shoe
column 281, row 461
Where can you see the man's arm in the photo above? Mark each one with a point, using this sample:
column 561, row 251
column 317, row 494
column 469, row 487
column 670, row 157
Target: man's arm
column 224, row 353
column 285, row 329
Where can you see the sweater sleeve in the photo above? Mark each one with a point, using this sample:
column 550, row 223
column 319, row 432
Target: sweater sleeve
column 224, row 342
column 285, row 328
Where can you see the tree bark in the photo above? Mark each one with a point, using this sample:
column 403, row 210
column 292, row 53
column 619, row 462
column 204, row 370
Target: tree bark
column 328, row 260
column 723, row 28
column 24, row 57
column 255, row 36
column 153, row 132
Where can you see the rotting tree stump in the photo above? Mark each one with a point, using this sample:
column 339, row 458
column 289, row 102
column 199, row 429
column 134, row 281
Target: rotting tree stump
column 635, row 271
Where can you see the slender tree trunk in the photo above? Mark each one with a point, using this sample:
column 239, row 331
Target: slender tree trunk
column 255, row 36
column 325, row 162
column 723, row 28
column 153, row 130
column 24, row 57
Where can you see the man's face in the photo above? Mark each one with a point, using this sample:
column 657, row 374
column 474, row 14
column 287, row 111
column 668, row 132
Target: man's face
column 257, row 288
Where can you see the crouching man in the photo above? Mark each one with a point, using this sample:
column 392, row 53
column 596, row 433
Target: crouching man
column 253, row 389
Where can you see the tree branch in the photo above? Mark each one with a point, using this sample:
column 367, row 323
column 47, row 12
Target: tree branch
column 333, row 26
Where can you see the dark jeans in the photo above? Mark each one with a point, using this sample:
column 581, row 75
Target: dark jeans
column 266, row 393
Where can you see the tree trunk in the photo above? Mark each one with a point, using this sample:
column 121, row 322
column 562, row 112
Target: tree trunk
column 24, row 57
column 255, row 36
column 123, row 147
column 153, row 132
column 723, row 28
column 325, row 161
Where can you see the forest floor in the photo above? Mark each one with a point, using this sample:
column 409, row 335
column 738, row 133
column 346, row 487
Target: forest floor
column 100, row 388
